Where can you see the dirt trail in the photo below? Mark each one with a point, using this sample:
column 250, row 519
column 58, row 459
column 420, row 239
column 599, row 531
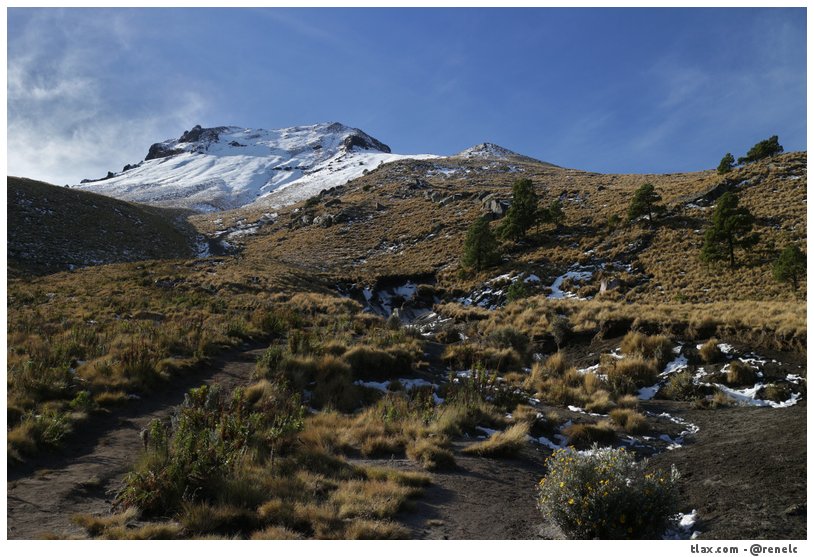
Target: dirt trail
column 482, row 499
column 43, row 494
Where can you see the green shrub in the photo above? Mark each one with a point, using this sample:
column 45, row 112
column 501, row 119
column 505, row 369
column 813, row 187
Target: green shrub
column 560, row 329
column 83, row 402
column 200, row 454
column 606, row 494
column 517, row 291
column 680, row 386
column 269, row 361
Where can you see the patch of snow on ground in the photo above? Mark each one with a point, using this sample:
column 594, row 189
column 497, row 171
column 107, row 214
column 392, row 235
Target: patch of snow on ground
column 647, row 393
column 683, row 530
column 748, row 396
column 577, row 276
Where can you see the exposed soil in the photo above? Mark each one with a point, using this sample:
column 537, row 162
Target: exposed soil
column 44, row 493
column 744, row 471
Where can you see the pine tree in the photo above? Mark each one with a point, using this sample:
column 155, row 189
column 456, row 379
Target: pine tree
column 726, row 163
column 480, row 246
column 523, row 213
column 731, row 228
column 555, row 214
column 762, row 149
column 790, row 266
column 645, row 202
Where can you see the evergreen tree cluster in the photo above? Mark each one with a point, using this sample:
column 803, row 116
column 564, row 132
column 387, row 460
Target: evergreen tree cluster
column 731, row 228
column 761, row 150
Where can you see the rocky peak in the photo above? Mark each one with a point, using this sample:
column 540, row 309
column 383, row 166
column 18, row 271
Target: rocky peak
column 487, row 151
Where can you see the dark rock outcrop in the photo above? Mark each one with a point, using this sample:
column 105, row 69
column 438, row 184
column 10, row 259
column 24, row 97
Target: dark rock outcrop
column 361, row 140
column 161, row 151
column 199, row 134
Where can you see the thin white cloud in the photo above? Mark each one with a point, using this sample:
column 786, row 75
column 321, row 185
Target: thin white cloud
column 66, row 117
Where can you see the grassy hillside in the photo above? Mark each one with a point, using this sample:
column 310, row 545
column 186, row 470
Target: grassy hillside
column 81, row 344
column 410, row 217
column 53, row 229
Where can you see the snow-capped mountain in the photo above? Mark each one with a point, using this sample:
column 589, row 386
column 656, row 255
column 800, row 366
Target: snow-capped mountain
column 212, row 169
column 486, row 150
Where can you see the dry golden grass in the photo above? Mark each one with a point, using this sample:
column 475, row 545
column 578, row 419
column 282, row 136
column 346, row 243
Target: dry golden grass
column 375, row 530
column 585, row 435
column 740, row 374
column 627, row 375
column 276, row 533
column 656, row 347
column 629, row 420
column 709, row 352
column 96, row 525
column 600, row 402
column 431, row 454
column 360, row 499
column 503, row 443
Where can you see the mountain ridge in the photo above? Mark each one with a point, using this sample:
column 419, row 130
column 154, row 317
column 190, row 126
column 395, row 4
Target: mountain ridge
column 225, row 167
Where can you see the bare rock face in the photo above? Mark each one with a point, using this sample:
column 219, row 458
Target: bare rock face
column 201, row 135
column 161, row 151
column 363, row 141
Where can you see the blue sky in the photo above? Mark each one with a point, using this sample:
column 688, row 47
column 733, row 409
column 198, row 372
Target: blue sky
column 606, row 90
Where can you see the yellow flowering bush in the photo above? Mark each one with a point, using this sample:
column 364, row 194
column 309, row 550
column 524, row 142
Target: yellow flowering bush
column 607, row 494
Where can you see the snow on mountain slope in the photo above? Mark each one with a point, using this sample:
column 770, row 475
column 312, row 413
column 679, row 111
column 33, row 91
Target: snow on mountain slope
column 493, row 152
column 212, row 169
column 486, row 150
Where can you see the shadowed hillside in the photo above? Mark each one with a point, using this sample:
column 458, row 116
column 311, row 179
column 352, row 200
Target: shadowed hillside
column 56, row 229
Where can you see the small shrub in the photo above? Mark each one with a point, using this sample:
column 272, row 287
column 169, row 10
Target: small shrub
column 776, row 392
column 740, row 374
column 83, row 402
column 556, row 364
column 517, row 291
column 629, row 420
column 680, row 386
column 600, row 402
column 393, row 322
column 203, row 518
column 718, row 399
column 585, row 435
column 269, row 361
column 368, row 362
column 509, row 337
column 276, row 533
column 656, row 347
column 630, row 374
column 627, row 401
column 710, row 353
column 560, row 329
column 606, row 494
column 430, row 455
